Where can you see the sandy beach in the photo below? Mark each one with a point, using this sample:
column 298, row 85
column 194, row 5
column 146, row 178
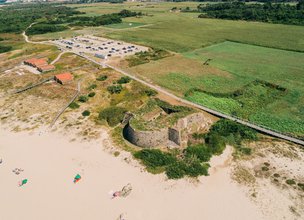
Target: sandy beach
column 51, row 161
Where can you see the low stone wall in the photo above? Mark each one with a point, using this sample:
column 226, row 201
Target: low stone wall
column 146, row 139
column 179, row 133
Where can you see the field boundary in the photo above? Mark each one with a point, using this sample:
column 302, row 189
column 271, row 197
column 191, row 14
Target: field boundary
column 260, row 45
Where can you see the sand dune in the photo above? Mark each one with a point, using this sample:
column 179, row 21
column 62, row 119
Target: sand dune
column 50, row 163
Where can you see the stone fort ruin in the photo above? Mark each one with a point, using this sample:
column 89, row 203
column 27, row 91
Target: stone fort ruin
column 161, row 124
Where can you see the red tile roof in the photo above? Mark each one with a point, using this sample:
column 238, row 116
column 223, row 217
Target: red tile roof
column 36, row 62
column 46, row 68
column 64, row 77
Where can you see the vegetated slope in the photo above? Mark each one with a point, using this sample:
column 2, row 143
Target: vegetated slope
column 244, row 96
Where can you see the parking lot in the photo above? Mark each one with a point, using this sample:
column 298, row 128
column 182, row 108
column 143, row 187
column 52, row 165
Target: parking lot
column 99, row 47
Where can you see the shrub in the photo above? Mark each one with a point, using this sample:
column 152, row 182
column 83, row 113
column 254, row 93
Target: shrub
column 290, row 182
column 201, row 152
column 113, row 115
column 150, row 92
column 124, row 80
column 83, row 98
column 86, row 113
column 92, row 86
column 195, row 169
column 198, row 136
column 245, row 150
column 176, row 170
column 92, row 94
column 4, row 49
column 74, row 105
column 226, row 127
column 301, row 185
column 154, row 158
column 102, row 78
column 115, row 89
column 215, row 142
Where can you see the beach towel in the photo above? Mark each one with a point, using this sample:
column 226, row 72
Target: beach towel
column 77, row 178
column 22, row 182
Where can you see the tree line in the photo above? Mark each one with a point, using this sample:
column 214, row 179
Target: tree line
column 266, row 12
column 52, row 18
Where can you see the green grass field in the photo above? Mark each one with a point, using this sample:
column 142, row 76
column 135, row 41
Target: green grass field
column 246, row 63
column 125, row 25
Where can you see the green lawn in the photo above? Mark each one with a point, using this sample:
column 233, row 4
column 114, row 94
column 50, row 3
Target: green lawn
column 125, row 25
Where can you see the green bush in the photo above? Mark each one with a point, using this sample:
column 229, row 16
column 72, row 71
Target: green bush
column 196, row 169
column 201, row 152
column 226, row 127
column 92, row 86
column 102, row 78
column 301, row 185
column 113, row 115
column 74, row 105
column 124, row 80
column 215, row 142
column 198, row 136
column 83, row 98
column 4, row 49
column 176, row 170
column 115, row 89
column 91, row 94
column 86, row 113
column 290, row 182
column 150, row 92
column 243, row 150
column 154, row 158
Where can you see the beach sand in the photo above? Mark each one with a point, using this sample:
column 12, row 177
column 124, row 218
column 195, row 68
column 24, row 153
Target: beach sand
column 50, row 162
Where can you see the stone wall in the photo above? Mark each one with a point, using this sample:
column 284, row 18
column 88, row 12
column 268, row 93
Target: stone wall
column 179, row 133
column 146, row 139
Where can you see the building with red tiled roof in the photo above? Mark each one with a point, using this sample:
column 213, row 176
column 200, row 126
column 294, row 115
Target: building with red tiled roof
column 63, row 78
column 36, row 62
column 45, row 68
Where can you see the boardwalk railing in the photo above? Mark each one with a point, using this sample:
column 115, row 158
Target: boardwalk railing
column 33, row 85
column 67, row 105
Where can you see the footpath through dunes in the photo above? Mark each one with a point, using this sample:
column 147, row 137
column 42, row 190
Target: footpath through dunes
column 50, row 162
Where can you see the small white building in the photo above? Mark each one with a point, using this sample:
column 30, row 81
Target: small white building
column 102, row 56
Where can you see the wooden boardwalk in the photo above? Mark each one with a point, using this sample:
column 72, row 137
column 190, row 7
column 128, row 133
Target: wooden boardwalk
column 32, row 86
